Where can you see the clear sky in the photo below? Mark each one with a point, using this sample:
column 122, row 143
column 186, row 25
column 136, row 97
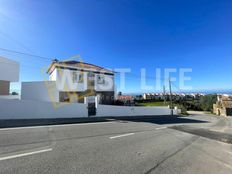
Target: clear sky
column 132, row 34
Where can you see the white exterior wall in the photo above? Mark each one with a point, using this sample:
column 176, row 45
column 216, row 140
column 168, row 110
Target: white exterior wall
column 29, row 109
column 108, row 110
column 64, row 81
column 9, row 70
column 15, row 97
column 26, row 109
column 107, row 86
column 53, row 75
column 40, row 91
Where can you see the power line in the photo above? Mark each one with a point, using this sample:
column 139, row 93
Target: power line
column 27, row 54
column 137, row 76
column 16, row 41
column 178, row 88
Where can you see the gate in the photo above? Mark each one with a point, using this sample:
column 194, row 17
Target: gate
column 91, row 102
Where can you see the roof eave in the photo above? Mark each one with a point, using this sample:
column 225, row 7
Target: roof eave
column 55, row 65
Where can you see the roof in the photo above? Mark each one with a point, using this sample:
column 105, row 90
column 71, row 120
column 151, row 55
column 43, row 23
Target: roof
column 77, row 65
column 125, row 97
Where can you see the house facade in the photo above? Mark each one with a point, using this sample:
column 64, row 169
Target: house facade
column 72, row 81
column 76, row 80
column 9, row 72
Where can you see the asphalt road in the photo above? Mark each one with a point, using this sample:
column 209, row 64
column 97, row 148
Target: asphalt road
column 196, row 144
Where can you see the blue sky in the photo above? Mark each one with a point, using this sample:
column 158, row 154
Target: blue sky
column 123, row 34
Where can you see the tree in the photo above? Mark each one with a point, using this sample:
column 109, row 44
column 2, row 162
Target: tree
column 14, row 93
column 207, row 101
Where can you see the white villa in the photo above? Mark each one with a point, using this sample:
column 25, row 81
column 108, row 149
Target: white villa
column 88, row 88
column 72, row 81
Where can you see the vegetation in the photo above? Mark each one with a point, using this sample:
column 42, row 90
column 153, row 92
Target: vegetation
column 118, row 103
column 203, row 103
column 207, row 102
column 154, row 103
column 119, row 93
column 183, row 109
column 14, row 93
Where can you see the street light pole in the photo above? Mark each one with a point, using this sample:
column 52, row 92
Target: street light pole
column 171, row 104
column 164, row 93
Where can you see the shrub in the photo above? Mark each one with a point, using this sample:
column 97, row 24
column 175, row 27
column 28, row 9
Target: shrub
column 183, row 109
column 206, row 102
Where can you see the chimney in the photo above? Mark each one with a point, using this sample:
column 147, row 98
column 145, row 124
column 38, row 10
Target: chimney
column 55, row 60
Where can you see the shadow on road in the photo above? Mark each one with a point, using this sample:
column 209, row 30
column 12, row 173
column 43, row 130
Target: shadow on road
column 162, row 119
column 219, row 136
column 147, row 119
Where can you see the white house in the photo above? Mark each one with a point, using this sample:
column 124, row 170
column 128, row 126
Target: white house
column 9, row 72
column 71, row 81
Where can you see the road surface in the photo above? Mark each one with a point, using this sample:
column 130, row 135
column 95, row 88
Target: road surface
column 196, row 144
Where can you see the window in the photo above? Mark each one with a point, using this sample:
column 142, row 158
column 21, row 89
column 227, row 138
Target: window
column 78, row 77
column 100, row 79
column 74, row 77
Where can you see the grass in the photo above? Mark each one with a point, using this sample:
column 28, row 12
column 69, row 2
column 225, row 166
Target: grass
column 161, row 103
column 152, row 104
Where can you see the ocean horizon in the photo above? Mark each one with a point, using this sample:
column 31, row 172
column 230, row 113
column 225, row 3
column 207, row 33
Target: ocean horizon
column 186, row 92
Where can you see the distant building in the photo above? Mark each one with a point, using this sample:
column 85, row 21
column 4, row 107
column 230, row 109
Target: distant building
column 153, row 96
column 223, row 106
column 128, row 100
column 9, row 72
column 125, row 98
column 175, row 96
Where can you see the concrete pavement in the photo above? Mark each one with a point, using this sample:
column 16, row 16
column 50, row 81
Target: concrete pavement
column 148, row 145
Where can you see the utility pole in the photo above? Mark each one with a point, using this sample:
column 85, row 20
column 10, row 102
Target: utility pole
column 171, row 104
column 164, row 93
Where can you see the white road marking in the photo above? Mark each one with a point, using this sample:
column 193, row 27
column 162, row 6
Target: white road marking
column 227, row 165
column 229, row 152
column 58, row 125
column 122, row 135
column 24, row 154
column 158, row 128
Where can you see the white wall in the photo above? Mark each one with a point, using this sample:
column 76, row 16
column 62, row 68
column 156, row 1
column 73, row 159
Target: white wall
column 29, row 109
column 107, row 86
column 40, row 91
column 9, row 70
column 108, row 110
column 26, row 109
column 13, row 97
column 64, row 81
column 53, row 75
